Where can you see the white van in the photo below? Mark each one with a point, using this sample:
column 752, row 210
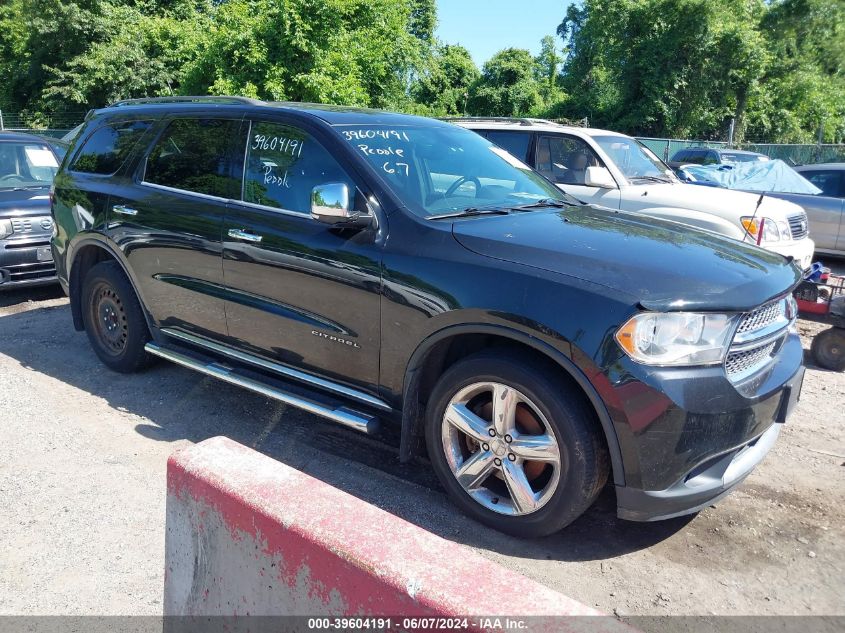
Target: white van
column 617, row 171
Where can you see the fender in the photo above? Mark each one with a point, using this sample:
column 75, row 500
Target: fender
column 412, row 416
column 75, row 283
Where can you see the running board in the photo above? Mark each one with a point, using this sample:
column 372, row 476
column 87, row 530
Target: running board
column 353, row 419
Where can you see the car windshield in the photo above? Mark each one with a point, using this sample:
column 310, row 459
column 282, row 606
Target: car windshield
column 26, row 165
column 636, row 162
column 440, row 170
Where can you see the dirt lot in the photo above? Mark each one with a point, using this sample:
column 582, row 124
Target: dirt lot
column 82, row 488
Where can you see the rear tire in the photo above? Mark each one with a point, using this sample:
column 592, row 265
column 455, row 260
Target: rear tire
column 828, row 349
column 554, row 444
column 114, row 320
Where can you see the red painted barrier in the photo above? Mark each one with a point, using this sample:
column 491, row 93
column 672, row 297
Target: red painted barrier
column 247, row 535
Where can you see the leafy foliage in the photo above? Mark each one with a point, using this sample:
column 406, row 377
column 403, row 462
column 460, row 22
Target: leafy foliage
column 656, row 67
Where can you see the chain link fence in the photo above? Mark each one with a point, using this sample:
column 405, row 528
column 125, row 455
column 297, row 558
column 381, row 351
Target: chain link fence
column 795, row 154
column 53, row 125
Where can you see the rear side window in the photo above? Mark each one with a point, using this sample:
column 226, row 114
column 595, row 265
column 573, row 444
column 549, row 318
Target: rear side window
column 107, row 148
column 827, row 181
column 197, row 155
column 515, row 143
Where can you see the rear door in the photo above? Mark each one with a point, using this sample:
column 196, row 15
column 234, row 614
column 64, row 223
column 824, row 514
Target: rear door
column 564, row 159
column 300, row 292
column 168, row 220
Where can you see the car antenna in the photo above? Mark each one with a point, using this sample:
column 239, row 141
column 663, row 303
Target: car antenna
column 753, row 217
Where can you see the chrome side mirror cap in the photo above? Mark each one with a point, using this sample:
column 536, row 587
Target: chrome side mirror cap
column 331, row 203
column 599, row 177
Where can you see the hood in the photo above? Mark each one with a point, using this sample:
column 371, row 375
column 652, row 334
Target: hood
column 664, row 265
column 21, row 203
column 715, row 200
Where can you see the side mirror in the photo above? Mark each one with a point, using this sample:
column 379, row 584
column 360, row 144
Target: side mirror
column 599, row 177
column 331, row 203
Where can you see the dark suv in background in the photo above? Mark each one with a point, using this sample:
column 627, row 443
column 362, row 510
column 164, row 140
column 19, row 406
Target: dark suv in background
column 27, row 166
column 369, row 266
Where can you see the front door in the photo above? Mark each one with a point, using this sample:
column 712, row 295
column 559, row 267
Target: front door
column 564, row 160
column 168, row 221
column 300, row 292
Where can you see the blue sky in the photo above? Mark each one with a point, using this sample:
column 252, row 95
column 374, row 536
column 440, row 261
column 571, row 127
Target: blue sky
column 485, row 27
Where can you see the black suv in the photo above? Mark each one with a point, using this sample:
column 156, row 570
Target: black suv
column 365, row 265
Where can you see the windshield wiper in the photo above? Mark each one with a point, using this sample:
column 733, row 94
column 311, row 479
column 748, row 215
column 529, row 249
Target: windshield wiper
column 651, row 179
column 544, row 203
column 30, row 188
column 470, row 211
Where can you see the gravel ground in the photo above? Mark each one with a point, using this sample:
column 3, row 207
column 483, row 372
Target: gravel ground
column 82, row 492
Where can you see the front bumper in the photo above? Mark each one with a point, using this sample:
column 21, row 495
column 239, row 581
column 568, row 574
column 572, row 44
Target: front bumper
column 23, row 263
column 801, row 251
column 715, row 475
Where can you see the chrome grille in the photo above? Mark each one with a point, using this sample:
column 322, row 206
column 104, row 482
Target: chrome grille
column 761, row 317
column 747, row 361
column 798, row 226
column 21, row 225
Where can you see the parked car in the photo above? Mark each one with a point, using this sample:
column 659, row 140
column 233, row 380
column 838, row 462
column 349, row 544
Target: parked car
column 369, row 266
column 825, row 214
column 618, row 172
column 27, row 166
column 710, row 156
column 829, row 177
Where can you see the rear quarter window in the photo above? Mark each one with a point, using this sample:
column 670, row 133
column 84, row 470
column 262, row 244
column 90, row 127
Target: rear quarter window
column 107, row 148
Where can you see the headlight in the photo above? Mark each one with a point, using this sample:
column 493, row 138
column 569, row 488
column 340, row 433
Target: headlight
column 772, row 231
column 5, row 228
column 677, row 338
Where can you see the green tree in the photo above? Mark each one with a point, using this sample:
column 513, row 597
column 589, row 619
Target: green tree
column 444, row 88
column 507, row 86
column 355, row 52
column 547, row 70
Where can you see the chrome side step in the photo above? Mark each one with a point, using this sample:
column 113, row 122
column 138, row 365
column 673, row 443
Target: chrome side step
column 278, row 368
column 353, row 419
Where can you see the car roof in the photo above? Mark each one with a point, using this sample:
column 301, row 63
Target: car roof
column 814, row 166
column 331, row 114
column 725, row 150
column 527, row 124
column 9, row 137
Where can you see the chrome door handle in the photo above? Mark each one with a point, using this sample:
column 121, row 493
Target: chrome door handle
column 123, row 210
column 240, row 234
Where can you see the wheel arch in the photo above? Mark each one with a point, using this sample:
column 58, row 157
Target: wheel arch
column 86, row 253
column 432, row 355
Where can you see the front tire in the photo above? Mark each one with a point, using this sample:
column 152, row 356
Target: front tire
column 515, row 445
column 828, row 349
column 113, row 319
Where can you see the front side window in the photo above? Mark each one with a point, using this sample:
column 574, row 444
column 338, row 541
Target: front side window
column 198, row 155
column 25, row 165
column 438, row 170
column 284, row 164
column 564, row 159
column 107, row 148
column 636, row 162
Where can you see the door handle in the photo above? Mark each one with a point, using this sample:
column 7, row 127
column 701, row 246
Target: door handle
column 124, row 210
column 240, row 234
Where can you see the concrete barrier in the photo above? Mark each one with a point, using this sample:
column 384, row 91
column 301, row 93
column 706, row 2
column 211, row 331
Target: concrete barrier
column 247, row 535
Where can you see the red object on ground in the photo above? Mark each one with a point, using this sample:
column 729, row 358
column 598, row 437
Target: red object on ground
column 813, row 307
column 248, row 535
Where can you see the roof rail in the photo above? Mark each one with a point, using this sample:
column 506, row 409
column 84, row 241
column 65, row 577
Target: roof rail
column 527, row 121
column 188, row 99
column 493, row 119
